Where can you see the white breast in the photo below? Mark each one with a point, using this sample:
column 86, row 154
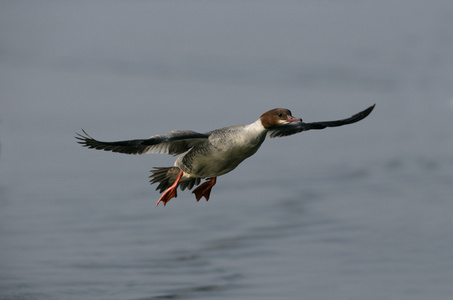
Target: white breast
column 224, row 150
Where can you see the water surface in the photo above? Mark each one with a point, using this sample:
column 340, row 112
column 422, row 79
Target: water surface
column 358, row 212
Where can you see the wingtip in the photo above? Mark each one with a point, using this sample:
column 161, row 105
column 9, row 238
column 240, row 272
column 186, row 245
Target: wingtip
column 81, row 136
column 369, row 110
column 83, row 139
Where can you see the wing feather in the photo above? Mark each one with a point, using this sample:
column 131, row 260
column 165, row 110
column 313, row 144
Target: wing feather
column 296, row 127
column 176, row 142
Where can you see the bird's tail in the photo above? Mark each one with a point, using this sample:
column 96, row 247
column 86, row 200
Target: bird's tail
column 166, row 176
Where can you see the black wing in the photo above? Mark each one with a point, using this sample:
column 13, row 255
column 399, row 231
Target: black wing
column 295, row 127
column 176, row 142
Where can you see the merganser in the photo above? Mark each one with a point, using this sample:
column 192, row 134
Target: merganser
column 213, row 153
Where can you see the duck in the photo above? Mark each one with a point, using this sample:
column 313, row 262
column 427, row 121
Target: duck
column 210, row 154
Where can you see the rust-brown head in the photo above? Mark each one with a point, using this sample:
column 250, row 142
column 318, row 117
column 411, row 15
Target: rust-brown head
column 276, row 117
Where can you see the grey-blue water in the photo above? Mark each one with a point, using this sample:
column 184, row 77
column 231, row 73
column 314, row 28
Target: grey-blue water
column 363, row 211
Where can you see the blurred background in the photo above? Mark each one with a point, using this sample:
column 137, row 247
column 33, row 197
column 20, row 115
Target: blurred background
column 358, row 212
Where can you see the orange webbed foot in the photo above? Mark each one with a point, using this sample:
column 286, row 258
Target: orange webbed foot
column 167, row 195
column 204, row 190
column 170, row 192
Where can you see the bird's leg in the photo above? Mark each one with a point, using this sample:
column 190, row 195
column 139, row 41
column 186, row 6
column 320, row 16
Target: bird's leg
column 204, row 190
column 171, row 191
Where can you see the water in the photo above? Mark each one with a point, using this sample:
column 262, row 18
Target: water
column 358, row 212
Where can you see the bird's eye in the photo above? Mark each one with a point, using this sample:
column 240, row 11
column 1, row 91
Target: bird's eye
column 280, row 114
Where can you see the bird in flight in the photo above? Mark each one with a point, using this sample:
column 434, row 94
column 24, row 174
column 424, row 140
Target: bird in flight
column 213, row 153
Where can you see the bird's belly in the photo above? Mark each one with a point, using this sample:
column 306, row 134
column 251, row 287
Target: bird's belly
column 214, row 163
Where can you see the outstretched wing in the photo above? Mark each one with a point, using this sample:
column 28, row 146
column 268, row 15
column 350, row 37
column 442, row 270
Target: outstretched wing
column 295, row 127
column 176, row 142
